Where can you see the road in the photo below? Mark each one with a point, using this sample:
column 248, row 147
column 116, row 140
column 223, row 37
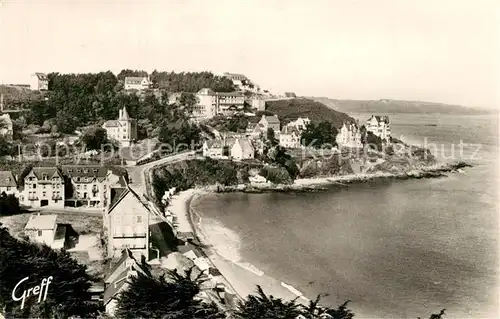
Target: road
column 138, row 173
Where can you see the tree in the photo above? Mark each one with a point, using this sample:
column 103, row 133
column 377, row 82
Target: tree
column 68, row 292
column 271, row 137
column 263, row 306
column 95, row 138
column 188, row 101
column 9, row 204
column 319, row 135
column 174, row 297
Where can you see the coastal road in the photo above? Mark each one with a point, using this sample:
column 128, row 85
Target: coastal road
column 138, row 173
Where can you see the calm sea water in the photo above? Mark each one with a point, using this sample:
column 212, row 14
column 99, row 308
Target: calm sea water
column 396, row 249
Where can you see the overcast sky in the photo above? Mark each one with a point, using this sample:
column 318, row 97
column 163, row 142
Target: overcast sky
column 433, row 50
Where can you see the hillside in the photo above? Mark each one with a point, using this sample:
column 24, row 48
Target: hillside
column 288, row 110
column 395, row 106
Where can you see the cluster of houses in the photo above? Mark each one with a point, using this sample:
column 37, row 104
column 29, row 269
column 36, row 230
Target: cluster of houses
column 59, row 187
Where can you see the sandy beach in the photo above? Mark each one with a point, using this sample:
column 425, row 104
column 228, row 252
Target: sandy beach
column 217, row 241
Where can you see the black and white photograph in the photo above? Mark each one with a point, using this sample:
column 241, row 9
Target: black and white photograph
column 249, row 159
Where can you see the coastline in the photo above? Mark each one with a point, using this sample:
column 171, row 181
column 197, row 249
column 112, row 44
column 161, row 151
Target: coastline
column 240, row 277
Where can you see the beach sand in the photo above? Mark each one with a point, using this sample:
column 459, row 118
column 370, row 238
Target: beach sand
column 221, row 247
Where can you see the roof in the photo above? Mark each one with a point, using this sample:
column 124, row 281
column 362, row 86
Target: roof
column 183, row 249
column 380, row 118
column 117, row 193
column 60, row 232
column 271, row 119
column 124, row 114
column 229, row 94
column 290, row 130
column 41, row 222
column 116, row 199
column 50, row 171
column 113, row 288
column 85, row 171
column 227, row 74
column 41, row 76
column 111, row 123
column 206, row 91
column 122, row 182
column 7, row 179
column 245, row 144
column 290, row 94
column 135, row 79
column 251, row 126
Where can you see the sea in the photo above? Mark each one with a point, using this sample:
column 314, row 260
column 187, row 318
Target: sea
column 395, row 249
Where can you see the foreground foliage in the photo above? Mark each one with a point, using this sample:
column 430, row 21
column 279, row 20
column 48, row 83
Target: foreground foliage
column 67, row 294
column 171, row 296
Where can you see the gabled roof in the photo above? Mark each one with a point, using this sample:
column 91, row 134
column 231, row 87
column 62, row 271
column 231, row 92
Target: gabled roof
column 290, row 130
column 50, row 171
column 135, row 79
column 121, row 193
column 245, row 144
column 41, row 76
column 41, row 222
column 7, row 179
column 380, row 119
column 271, row 119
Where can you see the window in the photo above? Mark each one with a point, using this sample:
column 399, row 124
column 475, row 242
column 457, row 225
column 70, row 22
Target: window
column 34, row 186
column 70, row 170
column 8, row 179
column 78, row 186
column 139, row 219
column 39, row 233
column 8, row 188
column 85, row 186
column 44, row 194
column 78, row 171
column 44, row 186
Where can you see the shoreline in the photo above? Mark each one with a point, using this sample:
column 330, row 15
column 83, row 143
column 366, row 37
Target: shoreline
column 242, row 278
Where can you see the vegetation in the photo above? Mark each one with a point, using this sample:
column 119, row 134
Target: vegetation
column 288, row 110
column 237, row 123
column 9, row 204
column 187, row 174
column 68, row 292
column 174, row 297
column 319, row 135
column 191, row 81
column 95, row 138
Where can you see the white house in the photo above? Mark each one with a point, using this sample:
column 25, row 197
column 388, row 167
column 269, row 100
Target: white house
column 39, row 82
column 137, row 83
column 213, row 148
column 300, row 123
column 41, row 228
column 379, row 126
column 290, row 137
column 242, row 149
column 127, row 222
column 349, row 135
column 267, row 122
column 123, row 130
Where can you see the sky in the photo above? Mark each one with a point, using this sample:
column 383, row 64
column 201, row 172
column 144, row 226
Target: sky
column 427, row 50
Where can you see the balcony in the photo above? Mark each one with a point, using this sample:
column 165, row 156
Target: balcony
column 58, row 197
